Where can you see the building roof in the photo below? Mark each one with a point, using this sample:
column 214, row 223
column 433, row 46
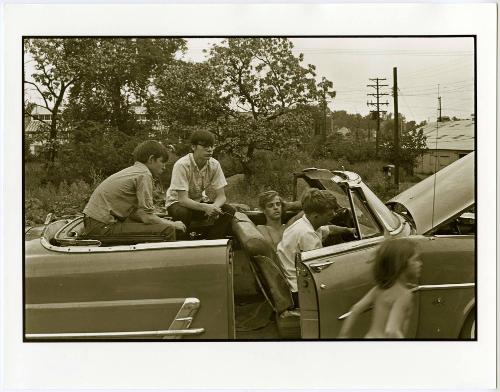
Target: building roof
column 34, row 126
column 40, row 110
column 450, row 135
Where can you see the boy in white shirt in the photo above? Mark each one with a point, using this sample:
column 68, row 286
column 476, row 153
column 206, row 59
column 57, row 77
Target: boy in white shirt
column 308, row 232
column 197, row 187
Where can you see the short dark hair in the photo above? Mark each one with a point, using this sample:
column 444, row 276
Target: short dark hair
column 391, row 260
column 202, row 137
column 150, row 147
column 319, row 201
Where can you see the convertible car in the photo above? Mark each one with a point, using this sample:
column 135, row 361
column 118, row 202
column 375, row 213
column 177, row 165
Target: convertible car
column 143, row 288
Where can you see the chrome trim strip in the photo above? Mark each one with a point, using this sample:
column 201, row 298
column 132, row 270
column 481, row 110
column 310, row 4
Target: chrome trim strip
column 178, row 328
column 402, row 223
column 345, row 315
column 340, row 248
column 160, row 333
column 318, row 267
column 184, row 318
column 102, row 304
column 423, row 288
column 142, row 246
column 443, row 286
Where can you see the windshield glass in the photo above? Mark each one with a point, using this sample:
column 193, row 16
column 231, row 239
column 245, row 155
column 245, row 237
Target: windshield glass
column 367, row 224
column 340, row 195
column 388, row 218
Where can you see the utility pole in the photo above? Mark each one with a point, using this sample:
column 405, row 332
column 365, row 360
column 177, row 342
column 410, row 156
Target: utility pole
column 377, row 112
column 440, row 119
column 396, row 127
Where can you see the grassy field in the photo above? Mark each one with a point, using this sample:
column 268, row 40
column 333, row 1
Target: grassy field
column 70, row 197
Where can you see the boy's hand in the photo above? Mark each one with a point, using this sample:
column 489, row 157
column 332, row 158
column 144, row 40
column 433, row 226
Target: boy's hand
column 178, row 225
column 352, row 231
column 211, row 210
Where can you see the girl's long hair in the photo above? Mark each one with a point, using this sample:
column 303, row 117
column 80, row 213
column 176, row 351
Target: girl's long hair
column 391, row 260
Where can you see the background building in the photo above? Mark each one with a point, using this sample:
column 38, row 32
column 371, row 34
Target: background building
column 446, row 142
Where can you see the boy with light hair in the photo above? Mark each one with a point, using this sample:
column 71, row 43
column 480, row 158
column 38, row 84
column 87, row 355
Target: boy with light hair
column 308, row 232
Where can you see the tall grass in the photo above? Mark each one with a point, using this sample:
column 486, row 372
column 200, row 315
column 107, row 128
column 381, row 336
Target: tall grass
column 277, row 173
column 272, row 172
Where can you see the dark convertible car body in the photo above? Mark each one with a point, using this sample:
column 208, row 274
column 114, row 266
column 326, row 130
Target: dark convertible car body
column 83, row 289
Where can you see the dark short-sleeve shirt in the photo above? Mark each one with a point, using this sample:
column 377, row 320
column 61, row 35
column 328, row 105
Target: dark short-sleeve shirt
column 121, row 194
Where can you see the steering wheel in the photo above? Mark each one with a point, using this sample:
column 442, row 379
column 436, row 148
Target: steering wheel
column 343, row 217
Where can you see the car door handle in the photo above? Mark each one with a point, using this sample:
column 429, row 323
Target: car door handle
column 318, row 267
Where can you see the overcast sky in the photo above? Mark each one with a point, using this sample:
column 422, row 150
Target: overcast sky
column 422, row 64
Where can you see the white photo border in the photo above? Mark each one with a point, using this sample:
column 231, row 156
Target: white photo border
column 249, row 364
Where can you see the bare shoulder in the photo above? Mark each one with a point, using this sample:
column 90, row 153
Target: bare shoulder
column 405, row 298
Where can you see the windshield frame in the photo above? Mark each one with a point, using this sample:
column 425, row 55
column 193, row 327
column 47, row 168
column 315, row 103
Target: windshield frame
column 387, row 218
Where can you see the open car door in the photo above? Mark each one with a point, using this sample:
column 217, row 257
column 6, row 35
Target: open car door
column 333, row 279
column 169, row 290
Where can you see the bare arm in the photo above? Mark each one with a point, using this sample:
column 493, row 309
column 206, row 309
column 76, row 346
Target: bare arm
column 220, row 197
column 398, row 315
column 334, row 229
column 363, row 304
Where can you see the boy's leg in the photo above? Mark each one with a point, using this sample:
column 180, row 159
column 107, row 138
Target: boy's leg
column 99, row 229
column 130, row 227
column 183, row 214
column 221, row 225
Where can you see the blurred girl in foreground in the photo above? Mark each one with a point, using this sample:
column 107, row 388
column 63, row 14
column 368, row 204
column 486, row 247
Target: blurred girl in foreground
column 396, row 263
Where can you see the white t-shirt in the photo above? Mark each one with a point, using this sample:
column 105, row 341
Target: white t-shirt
column 298, row 237
column 199, row 183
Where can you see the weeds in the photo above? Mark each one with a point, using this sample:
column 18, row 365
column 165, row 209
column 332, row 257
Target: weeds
column 272, row 173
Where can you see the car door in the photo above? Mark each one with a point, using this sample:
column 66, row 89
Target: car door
column 446, row 288
column 340, row 275
column 153, row 291
column 444, row 295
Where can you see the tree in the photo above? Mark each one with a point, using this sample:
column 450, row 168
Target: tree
column 55, row 72
column 187, row 98
column 117, row 74
column 268, row 89
column 412, row 142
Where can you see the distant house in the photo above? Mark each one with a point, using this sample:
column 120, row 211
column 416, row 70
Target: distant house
column 33, row 128
column 446, row 143
column 41, row 113
column 343, row 131
column 36, row 123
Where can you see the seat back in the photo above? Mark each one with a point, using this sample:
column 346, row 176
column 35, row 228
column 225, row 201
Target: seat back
column 273, row 284
column 264, row 263
column 250, row 238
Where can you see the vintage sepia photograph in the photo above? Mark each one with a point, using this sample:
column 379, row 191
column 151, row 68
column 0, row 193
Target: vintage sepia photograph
column 248, row 196
column 249, row 188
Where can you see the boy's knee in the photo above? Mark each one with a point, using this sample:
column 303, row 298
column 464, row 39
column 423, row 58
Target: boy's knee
column 169, row 232
column 178, row 212
column 228, row 209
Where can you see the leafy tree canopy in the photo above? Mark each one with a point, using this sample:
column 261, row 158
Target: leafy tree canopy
column 265, row 84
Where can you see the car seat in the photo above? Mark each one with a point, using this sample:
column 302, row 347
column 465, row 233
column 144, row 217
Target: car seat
column 270, row 278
